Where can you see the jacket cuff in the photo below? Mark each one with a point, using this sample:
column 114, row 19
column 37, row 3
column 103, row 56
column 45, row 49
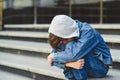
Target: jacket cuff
column 59, row 65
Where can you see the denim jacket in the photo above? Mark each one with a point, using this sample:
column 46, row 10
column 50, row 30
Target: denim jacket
column 89, row 41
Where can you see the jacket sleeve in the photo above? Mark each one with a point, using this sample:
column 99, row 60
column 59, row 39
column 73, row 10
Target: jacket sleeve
column 78, row 49
column 57, row 63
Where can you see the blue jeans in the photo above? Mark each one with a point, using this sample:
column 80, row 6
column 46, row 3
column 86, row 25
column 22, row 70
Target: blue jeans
column 93, row 67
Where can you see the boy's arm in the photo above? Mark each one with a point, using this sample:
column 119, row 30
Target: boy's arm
column 78, row 49
column 76, row 64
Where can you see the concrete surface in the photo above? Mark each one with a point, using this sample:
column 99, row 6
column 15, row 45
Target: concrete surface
column 40, row 66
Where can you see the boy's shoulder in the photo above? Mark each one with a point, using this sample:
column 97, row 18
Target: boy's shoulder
column 84, row 25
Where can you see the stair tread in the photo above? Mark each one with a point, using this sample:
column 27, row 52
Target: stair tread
column 46, row 26
column 111, row 38
column 24, row 34
column 106, row 26
column 40, row 66
column 41, row 47
column 107, row 37
column 28, row 63
column 25, row 45
column 33, row 26
column 4, row 75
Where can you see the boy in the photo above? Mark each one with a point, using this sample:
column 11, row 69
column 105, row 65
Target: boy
column 78, row 49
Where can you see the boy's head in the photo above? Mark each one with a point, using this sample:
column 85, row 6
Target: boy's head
column 56, row 41
column 63, row 26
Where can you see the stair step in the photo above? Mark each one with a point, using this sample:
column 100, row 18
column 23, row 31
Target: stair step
column 115, row 55
column 107, row 28
column 25, row 35
column 44, row 35
column 4, row 75
column 31, row 64
column 25, row 45
column 113, row 41
column 27, row 27
column 33, row 26
column 40, row 47
column 111, row 38
column 40, row 66
column 102, row 28
column 46, row 26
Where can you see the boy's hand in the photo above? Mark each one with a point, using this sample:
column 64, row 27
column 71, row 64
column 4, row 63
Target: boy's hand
column 76, row 64
column 50, row 59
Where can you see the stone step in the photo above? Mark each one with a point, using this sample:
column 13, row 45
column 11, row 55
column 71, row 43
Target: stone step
column 111, row 38
column 44, row 35
column 27, row 27
column 25, row 35
column 25, row 46
column 102, row 28
column 46, row 26
column 39, row 66
column 4, row 75
column 32, row 64
column 107, row 28
column 40, row 48
column 27, row 74
column 113, row 41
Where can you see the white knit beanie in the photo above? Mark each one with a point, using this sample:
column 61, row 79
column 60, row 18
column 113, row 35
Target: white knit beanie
column 64, row 27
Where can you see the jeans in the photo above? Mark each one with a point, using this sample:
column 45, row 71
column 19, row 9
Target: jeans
column 93, row 67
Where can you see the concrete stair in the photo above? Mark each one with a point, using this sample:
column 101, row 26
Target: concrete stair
column 38, row 47
column 27, row 58
column 4, row 75
column 110, row 33
column 31, row 64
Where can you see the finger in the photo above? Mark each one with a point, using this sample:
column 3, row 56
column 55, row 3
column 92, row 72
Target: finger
column 81, row 60
column 82, row 65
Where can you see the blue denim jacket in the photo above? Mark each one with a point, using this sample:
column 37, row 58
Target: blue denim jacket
column 90, row 46
column 89, row 41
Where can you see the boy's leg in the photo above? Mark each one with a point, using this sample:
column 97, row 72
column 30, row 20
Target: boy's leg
column 80, row 74
column 95, row 67
column 69, row 74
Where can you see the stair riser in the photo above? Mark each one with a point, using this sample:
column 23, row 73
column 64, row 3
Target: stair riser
column 116, row 65
column 113, row 45
column 109, row 31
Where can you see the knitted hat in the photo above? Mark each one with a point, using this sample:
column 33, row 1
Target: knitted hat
column 64, row 27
